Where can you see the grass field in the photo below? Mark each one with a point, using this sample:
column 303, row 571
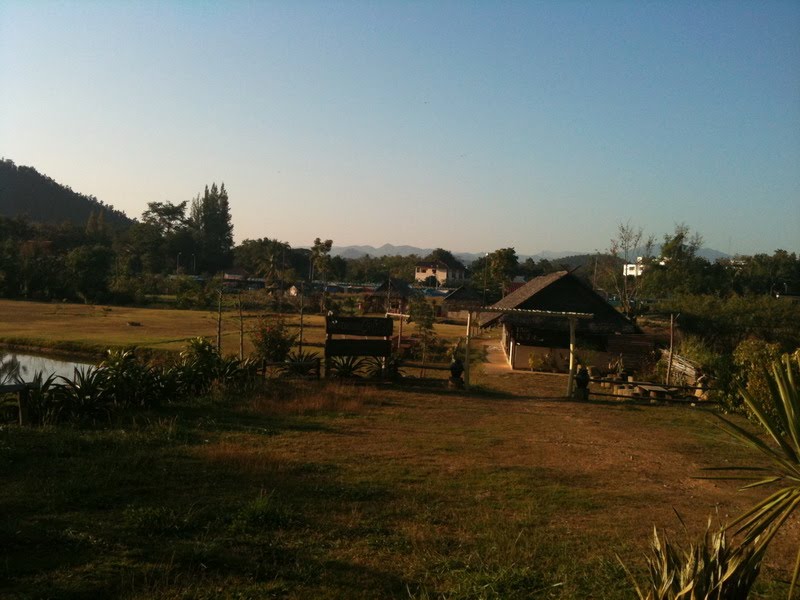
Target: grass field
column 323, row 490
column 315, row 490
column 92, row 329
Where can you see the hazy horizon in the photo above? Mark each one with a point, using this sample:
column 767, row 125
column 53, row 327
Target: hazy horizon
column 464, row 126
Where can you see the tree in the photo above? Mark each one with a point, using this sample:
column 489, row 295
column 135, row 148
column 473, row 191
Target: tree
column 502, row 264
column 680, row 270
column 627, row 247
column 90, row 271
column 320, row 258
column 167, row 217
column 210, row 221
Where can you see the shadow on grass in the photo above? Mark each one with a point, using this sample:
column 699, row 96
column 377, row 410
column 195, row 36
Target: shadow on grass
column 109, row 513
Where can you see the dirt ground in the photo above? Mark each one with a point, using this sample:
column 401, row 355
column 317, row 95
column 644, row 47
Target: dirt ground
column 639, row 464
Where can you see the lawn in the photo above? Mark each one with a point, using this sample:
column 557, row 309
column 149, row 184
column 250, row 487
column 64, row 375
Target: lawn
column 326, row 490
column 93, row 328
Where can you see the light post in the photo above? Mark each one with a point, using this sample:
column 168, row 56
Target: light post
column 178, row 264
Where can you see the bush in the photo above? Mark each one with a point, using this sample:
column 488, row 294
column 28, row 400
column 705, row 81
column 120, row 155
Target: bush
column 712, row 569
column 272, row 339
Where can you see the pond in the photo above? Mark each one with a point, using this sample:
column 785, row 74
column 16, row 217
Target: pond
column 27, row 365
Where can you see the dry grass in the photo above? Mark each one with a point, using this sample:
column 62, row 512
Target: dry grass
column 93, row 328
column 341, row 490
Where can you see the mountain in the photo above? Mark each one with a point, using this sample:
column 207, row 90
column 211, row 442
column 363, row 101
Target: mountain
column 572, row 256
column 26, row 192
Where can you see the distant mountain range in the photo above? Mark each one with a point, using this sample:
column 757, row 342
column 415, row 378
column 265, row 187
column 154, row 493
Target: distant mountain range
column 468, row 257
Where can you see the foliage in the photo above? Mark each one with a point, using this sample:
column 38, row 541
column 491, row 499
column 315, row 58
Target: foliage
column 543, row 362
column 9, row 369
column 389, row 367
column 760, row 524
column 725, row 322
column 628, row 245
column 300, row 363
column 346, row 367
column 28, row 192
column 198, row 367
column 320, row 259
column 749, row 359
column 210, row 223
column 423, row 318
column 272, row 339
column 713, row 569
column 123, row 381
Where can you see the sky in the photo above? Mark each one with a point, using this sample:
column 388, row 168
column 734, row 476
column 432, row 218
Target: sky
column 464, row 125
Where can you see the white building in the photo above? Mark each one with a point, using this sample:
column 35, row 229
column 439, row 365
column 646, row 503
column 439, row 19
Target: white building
column 443, row 274
column 634, row 269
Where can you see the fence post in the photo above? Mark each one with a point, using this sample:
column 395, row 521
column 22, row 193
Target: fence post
column 22, row 401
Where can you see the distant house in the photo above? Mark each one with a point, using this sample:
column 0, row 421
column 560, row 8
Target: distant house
column 460, row 301
column 601, row 340
column 390, row 296
column 437, row 273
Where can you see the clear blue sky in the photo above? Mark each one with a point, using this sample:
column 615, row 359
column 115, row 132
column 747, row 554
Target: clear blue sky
column 466, row 125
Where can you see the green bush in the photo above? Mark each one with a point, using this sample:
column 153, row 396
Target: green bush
column 272, row 339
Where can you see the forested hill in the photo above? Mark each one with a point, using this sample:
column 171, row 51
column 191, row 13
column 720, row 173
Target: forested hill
column 26, row 192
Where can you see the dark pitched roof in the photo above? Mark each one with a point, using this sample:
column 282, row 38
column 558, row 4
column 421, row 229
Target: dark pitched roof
column 560, row 292
column 463, row 294
column 523, row 294
column 398, row 288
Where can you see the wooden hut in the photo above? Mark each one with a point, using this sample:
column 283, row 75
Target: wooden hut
column 600, row 340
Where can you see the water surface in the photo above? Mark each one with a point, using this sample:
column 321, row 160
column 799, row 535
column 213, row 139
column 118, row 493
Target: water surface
column 26, row 366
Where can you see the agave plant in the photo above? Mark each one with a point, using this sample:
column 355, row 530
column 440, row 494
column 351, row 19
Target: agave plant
column 123, row 375
column 199, row 366
column 383, row 368
column 45, row 402
column 300, row 363
column 346, row 367
column 762, row 521
column 85, row 395
column 710, row 570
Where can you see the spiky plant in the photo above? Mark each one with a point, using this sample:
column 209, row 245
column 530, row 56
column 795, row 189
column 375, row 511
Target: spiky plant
column 346, row 367
column 782, row 424
column 300, row 363
column 712, row 569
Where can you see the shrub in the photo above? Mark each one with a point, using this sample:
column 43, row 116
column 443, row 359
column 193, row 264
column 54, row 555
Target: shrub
column 272, row 339
column 299, row 363
column 782, row 424
column 346, row 367
column 712, row 569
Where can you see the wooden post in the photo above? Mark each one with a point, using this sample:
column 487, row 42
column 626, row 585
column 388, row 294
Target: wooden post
column 400, row 334
column 302, row 303
column 24, row 405
column 241, row 329
column 466, row 350
column 572, row 322
column 219, row 323
column 671, row 340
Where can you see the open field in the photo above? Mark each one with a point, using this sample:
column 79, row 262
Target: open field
column 322, row 490
column 89, row 328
